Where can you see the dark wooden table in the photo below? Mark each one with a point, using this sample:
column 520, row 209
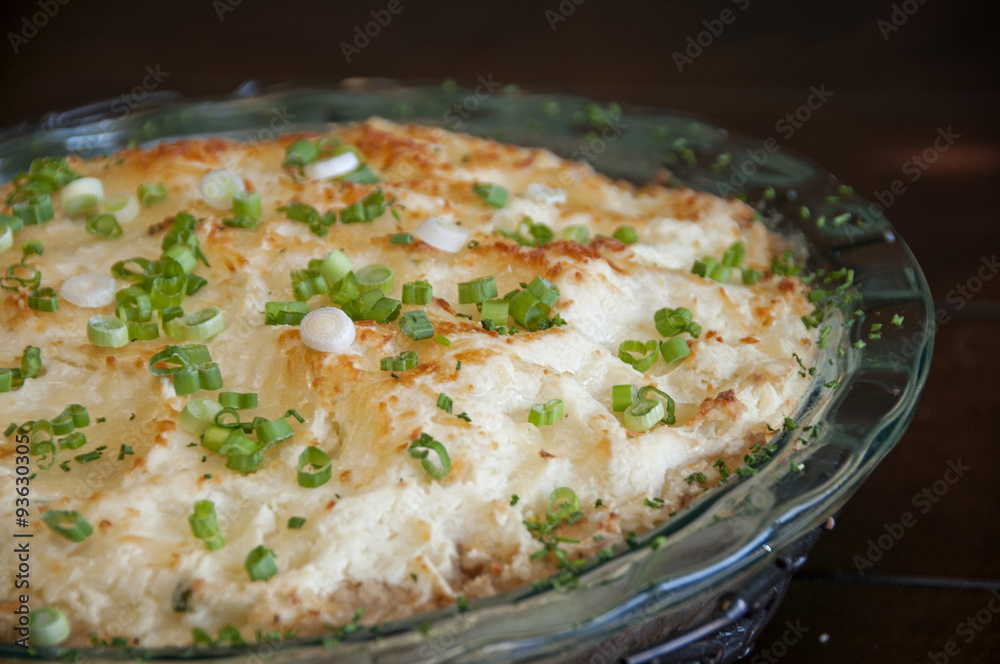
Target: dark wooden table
column 895, row 75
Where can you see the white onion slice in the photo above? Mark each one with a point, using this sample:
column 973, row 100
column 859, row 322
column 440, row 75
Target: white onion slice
column 327, row 329
column 89, row 290
column 442, row 234
column 81, row 195
column 333, row 167
column 219, row 186
column 543, row 194
column 124, row 207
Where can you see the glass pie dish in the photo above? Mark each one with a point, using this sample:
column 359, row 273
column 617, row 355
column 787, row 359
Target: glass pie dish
column 699, row 585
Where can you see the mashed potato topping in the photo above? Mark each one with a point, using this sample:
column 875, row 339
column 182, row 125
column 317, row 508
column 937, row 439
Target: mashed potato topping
column 383, row 534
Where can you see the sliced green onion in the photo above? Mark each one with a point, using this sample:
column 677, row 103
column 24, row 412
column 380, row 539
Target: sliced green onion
column 477, row 290
column 203, row 376
column 272, row 432
column 246, row 204
column 48, row 627
column 403, row 362
column 296, row 523
column 182, row 356
column 89, row 290
column 733, row 257
column 12, row 222
column 35, row 209
column 167, row 292
column 576, row 233
column 563, row 503
column 133, row 304
column 374, row 205
column 198, row 415
column 401, row 238
column 416, row 325
column 328, row 330
column 260, row 565
column 443, row 340
column 73, row 441
column 151, row 193
column 301, row 153
column 442, row 234
column 185, row 257
column 284, row 313
column 417, row 292
column 314, row 468
column 219, row 186
column 546, row 413
column 374, row 276
column 142, row 331
column 496, row 311
column 622, row 396
column 526, row 309
column 68, row 524
column 420, row 448
column 214, row 436
column 43, row 299
column 671, row 322
column 546, row 291
column 107, row 331
column 644, row 361
column 121, row 271
column 22, row 274
column 492, row 194
column 704, row 267
column 170, row 313
column 641, row 415
column 626, row 234
column 6, row 381
column 720, row 273
column 444, row 402
column 674, row 350
column 345, row 291
column 205, row 525
column 193, row 283
column 363, row 174
column 333, row 167
column 335, row 266
column 242, row 454
column 103, row 226
column 666, row 399
column 385, row 310
column 199, row 326
column 124, row 207
column 751, row 275
column 308, row 282
column 221, row 416
column 81, row 195
column 78, row 414
column 238, row 400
